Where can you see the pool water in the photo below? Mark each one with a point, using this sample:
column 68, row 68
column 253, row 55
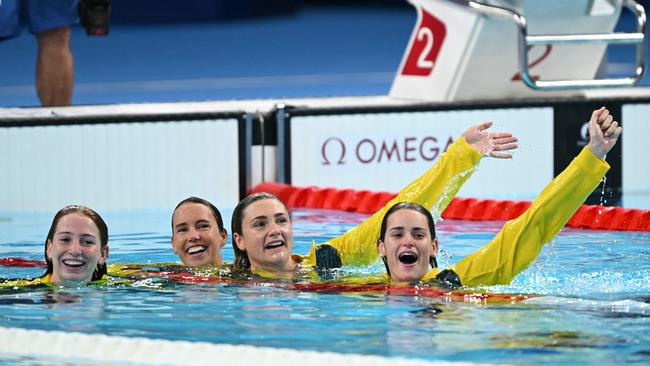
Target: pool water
column 595, row 307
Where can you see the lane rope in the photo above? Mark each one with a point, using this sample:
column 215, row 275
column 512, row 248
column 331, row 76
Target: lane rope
column 363, row 201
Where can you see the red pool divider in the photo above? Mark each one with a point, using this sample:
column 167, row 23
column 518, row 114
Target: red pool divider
column 20, row 262
column 362, row 201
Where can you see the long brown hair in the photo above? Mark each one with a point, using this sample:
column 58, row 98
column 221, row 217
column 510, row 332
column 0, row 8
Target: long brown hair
column 100, row 270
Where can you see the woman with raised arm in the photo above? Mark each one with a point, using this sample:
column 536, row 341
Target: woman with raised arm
column 261, row 225
column 408, row 242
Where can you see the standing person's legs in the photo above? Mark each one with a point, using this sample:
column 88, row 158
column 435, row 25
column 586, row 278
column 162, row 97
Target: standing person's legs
column 50, row 20
column 54, row 67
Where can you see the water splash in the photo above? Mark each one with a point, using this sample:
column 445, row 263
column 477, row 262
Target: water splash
column 445, row 259
column 602, row 192
column 437, row 209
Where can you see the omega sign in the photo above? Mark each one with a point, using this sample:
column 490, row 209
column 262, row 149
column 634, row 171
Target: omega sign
column 335, row 151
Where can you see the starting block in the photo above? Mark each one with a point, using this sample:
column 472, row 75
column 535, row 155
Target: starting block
column 505, row 49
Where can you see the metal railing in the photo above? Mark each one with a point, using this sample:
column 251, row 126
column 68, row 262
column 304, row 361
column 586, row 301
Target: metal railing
column 525, row 40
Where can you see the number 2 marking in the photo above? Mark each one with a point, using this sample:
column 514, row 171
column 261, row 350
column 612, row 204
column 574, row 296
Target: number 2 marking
column 536, row 62
column 424, row 48
column 427, row 34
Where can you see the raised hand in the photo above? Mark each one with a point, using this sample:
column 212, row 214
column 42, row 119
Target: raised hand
column 603, row 132
column 492, row 144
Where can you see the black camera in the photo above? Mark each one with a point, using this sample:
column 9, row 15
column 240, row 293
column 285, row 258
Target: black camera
column 95, row 16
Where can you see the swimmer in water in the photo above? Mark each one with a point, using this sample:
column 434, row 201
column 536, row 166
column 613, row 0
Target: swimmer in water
column 76, row 249
column 408, row 243
column 198, row 233
column 261, row 226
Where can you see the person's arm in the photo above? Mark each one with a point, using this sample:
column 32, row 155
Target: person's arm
column 433, row 190
column 521, row 239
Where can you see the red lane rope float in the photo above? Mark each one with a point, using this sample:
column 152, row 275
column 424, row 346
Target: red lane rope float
column 21, row 262
column 362, row 201
column 187, row 277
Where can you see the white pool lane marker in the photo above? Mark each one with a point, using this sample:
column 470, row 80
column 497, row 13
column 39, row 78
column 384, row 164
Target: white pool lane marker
column 104, row 348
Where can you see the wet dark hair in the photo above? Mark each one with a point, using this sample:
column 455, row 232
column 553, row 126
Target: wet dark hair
column 413, row 207
column 241, row 257
column 206, row 203
column 100, row 270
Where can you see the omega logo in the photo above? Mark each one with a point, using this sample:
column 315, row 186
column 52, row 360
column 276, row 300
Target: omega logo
column 369, row 150
column 340, row 145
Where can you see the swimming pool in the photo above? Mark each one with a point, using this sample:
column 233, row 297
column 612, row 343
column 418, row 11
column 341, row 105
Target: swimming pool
column 595, row 307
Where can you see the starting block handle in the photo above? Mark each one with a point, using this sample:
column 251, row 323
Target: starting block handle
column 526, row 40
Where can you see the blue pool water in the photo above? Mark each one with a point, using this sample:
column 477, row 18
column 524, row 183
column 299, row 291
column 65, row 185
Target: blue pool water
column 595, row 308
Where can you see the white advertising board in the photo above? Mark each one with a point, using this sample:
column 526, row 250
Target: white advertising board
column 636, row 167
column 386, row 151
column 118, row 166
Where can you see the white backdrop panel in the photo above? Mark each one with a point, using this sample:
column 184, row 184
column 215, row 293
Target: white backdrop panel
column 385, row 151
column 118, row 166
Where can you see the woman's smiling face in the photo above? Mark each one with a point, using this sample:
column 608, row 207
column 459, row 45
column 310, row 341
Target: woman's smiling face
column 197, row 238
column 266, row 236
column 75, row 250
